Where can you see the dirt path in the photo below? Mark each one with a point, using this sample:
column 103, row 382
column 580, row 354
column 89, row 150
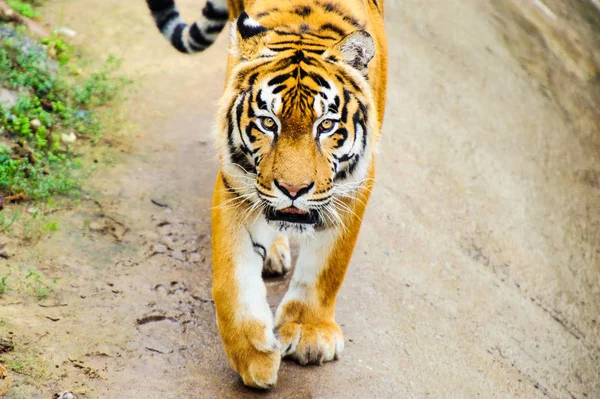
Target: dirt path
column 476, row 273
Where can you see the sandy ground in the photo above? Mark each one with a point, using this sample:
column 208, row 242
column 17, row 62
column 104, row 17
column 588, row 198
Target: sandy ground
column 476, row 273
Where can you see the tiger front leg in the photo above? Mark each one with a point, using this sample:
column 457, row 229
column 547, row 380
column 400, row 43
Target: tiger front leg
column 244, row 317
column 305, row 319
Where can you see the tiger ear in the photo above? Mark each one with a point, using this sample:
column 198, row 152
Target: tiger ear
column 246, row 33
column 357, row 49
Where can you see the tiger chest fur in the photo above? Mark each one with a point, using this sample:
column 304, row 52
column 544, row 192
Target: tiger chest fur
column 297, row 125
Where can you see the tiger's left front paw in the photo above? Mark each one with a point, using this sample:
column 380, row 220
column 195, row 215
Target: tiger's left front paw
column 279, row 259
column 311, row 343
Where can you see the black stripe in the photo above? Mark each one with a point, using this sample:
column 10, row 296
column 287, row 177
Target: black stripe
column 230, row 126
column 344, row 133
column 341, row 175
column 323, row 37
column 353, row 165
column 252, row 80
column 344, row 79
column 258, row 248
column 353, row 21
column 279, row 89
column 344, row 115
column 333, row 28
column 160, row 5
column 251, row 113
column 210, row 12
column 279, row 79
column 284, row 33
column 165, row 19
column 330, row 7
column 240, row 159
column 249, row 133
column 319, row 80
column 239, row 111
column 262, row 104
column 177, row 38
column 318, row 50
column 198, row 36
column 227, row 185
column 248, row 31
column 303, row 11
column 215, row 28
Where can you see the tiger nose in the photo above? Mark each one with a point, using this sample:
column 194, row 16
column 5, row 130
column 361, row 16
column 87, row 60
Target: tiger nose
column 293, row 191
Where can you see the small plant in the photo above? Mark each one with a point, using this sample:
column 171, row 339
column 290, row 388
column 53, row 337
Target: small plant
column 28, row 281
column 51, row 226
column 36, row 285
column 55, row 101
column 3, row 280
column 7, row 222
column 25, row 8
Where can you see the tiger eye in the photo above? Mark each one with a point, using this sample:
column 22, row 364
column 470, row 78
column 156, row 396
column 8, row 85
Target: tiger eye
column 326, row 126
column 268, row 123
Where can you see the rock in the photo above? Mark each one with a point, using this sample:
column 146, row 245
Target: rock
column 25, row 44
column 8, row 98
column 64, row 31
column 22, row 42
column 35, row 123
column 83, row 115
column 194, row 257
column 169, row 242
column 68, row 138
column 159, row 249
column 63, row 395
column 6, row 346
column 177, row 254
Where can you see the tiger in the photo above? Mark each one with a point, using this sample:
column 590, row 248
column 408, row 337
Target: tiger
column 296, row 133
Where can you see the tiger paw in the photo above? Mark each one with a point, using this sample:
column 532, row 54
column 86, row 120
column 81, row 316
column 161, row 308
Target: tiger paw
column 311, row 343
column 278, row 260
column 255, row 355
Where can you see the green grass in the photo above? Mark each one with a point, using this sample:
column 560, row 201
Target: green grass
column 56, row 99
column 26, row 281
column 3, row 284
column 25, row 7
column 6, row 222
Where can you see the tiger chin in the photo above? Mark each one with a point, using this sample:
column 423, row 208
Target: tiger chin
column 296, row 130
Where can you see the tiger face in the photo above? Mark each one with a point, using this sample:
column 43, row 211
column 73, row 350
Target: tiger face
column 297, row 116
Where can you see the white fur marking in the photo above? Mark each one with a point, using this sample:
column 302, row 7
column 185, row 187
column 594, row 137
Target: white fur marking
column 314, row 252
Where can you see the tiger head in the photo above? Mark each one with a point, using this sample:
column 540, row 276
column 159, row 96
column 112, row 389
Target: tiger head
column 298, row 118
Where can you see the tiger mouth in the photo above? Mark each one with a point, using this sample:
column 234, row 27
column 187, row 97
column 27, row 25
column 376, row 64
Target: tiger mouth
column 292, row 215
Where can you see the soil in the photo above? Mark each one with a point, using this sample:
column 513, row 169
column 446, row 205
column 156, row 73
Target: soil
column 476, row 273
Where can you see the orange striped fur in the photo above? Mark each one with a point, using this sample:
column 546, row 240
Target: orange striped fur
column 298, row 123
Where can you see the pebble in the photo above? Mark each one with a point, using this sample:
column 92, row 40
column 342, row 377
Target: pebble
column 159, row 249
column 64, row 395
column 36, row 124
column 168, row 241
column 178, row 255
column 68, row 138
column 8, row 98
column 63, row 30
column 194, row 257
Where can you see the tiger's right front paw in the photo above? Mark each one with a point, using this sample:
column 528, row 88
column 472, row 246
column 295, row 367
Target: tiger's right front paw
column 254, row 353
